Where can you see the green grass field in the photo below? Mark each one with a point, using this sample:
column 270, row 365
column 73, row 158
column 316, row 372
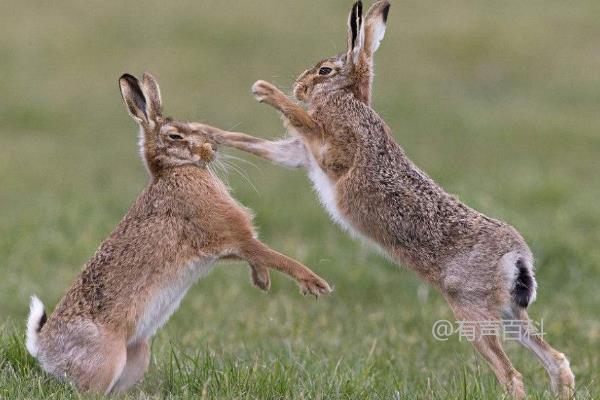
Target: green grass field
column 499, row 101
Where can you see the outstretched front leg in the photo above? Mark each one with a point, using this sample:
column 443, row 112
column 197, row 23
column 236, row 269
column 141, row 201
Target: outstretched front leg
column 295, row 117
column 260, row 256
column 291, row 153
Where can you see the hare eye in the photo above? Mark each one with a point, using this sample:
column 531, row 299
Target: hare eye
column 325, row 71
column 174, row 136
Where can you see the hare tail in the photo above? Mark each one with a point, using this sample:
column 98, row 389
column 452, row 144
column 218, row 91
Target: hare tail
column 35, row 322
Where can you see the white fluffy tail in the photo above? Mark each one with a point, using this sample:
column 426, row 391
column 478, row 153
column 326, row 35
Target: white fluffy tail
column 35, row 321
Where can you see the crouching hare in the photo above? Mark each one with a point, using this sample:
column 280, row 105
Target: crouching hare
column 481, row 266
column 180, row 225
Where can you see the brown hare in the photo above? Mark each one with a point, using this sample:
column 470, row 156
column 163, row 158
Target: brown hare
column 481, row 266
column 181, row 224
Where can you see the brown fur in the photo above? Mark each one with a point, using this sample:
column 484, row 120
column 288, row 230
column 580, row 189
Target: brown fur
column 382, row 196
column 181, row 223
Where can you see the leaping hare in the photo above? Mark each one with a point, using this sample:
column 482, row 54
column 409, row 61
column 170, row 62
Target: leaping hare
column 180, row 225
column 481, row 266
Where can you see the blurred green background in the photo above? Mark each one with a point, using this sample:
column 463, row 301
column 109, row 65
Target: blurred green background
column 499, row 101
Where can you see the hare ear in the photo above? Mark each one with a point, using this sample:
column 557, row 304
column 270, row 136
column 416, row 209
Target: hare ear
column 152, row 92
column 375, row 24
column 356, row 32
column 134, row 98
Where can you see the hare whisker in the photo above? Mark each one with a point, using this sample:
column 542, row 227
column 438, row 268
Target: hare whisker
column 232, row 157
column 242, row 174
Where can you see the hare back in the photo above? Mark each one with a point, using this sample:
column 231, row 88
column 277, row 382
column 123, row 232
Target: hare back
column 368, row 185
column 172, row 232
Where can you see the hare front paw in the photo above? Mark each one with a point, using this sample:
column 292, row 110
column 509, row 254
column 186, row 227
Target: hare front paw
column 264, row 92
column 314, row 285
column 261, row 277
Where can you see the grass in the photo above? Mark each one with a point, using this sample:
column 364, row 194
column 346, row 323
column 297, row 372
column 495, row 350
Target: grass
column 498, row 101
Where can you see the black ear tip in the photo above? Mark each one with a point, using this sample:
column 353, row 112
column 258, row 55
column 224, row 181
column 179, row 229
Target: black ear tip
column 386, row 11
column 129, row 79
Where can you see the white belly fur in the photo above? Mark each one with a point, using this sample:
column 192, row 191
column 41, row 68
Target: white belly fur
column 166, row 300
column 328, row 197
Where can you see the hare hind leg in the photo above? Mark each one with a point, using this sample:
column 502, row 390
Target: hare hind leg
column 100, row 368
column 138, row 358
column 556, row 364
column 490, row 346
column 491, row 349
column 88, row 358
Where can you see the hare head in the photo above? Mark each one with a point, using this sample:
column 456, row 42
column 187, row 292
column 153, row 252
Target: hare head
column 352, row 70
column 164, row 142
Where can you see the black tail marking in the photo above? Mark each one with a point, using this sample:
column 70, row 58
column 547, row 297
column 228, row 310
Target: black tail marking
column 42, row 322
column 524, row 285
